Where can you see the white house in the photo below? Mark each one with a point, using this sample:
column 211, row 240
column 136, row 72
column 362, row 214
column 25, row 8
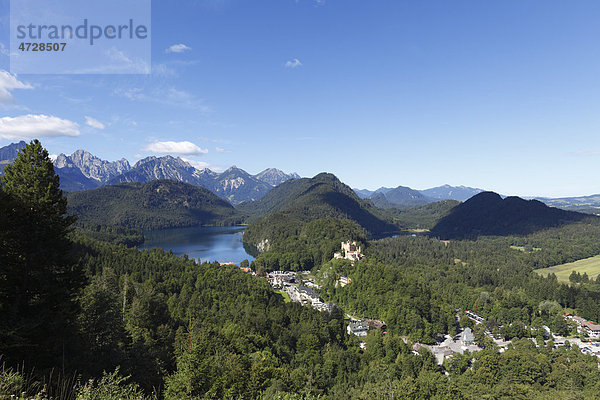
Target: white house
column 358, row 328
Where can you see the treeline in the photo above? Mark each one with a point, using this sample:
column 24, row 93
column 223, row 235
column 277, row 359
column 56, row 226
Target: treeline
column 115, row 234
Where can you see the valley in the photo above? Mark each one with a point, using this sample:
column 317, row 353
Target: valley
column 310, row 286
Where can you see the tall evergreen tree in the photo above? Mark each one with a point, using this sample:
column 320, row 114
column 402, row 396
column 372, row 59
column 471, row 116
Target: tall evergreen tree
column 39, row 280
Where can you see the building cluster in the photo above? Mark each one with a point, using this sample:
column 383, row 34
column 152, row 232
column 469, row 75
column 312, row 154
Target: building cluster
column 281, row 279
column 286, row 281
column 247, row 270
column 343, row 281
column 350, row 251
column 358, row 328
column 311, row 283
column 450, row 346
column 308, row 297
column 589, row 328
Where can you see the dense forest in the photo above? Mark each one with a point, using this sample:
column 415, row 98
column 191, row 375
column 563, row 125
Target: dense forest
column 152, row 205
column 86, row 318
column 416, row 283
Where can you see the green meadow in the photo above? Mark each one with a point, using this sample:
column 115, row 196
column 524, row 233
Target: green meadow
column 591, row 266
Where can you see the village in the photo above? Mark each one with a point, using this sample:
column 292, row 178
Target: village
column 465, row 341
column 302, row 289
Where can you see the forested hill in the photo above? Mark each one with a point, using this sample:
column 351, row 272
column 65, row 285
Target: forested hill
column 323, row 196
column 488, row 214
column 151, row 205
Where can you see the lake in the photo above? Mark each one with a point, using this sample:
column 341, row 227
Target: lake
column 222, row 244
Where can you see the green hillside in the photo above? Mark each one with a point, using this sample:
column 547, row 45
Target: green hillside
column 323, row 196
column 307, row 214
column 425, row 216
column 151, row 205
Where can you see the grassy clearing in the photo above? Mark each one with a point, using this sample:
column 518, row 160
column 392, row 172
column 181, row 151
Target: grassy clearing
column 286, row 296
column 591, row 266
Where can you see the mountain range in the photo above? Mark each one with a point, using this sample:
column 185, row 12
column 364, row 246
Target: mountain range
column 587, row 204
column 403, row 197
column 84, row 171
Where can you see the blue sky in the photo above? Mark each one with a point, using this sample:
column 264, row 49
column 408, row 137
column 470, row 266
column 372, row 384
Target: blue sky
column 499, row 95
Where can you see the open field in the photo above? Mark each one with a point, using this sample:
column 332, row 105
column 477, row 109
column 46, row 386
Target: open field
column 589, row 265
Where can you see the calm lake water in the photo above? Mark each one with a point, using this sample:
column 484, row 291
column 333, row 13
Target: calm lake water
column 222, row 244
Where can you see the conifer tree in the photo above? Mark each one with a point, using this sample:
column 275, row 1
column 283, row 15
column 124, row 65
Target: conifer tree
column 40, row 281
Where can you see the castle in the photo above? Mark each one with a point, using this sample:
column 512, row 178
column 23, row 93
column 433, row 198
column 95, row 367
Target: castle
column 350, row 252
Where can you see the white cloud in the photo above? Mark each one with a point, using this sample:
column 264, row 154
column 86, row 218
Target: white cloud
column 35, row 126
column 8, row 83
column 197, row 164
column 179, row 148
column 177, row 48
column 222, row 150
column 202, row 164
column 295, row 63
column 94, row 123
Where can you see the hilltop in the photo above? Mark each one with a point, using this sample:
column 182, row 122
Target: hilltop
column 488, row 213
column 151, row 205
column 323, row 196
column 321, row 210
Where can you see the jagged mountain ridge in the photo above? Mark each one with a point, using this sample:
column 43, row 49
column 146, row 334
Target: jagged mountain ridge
column 403, row 196
column 84, row 171
column 157, row 168
column 275, row 177
column 237, row 186
column 9, row 153
column 93, row 167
